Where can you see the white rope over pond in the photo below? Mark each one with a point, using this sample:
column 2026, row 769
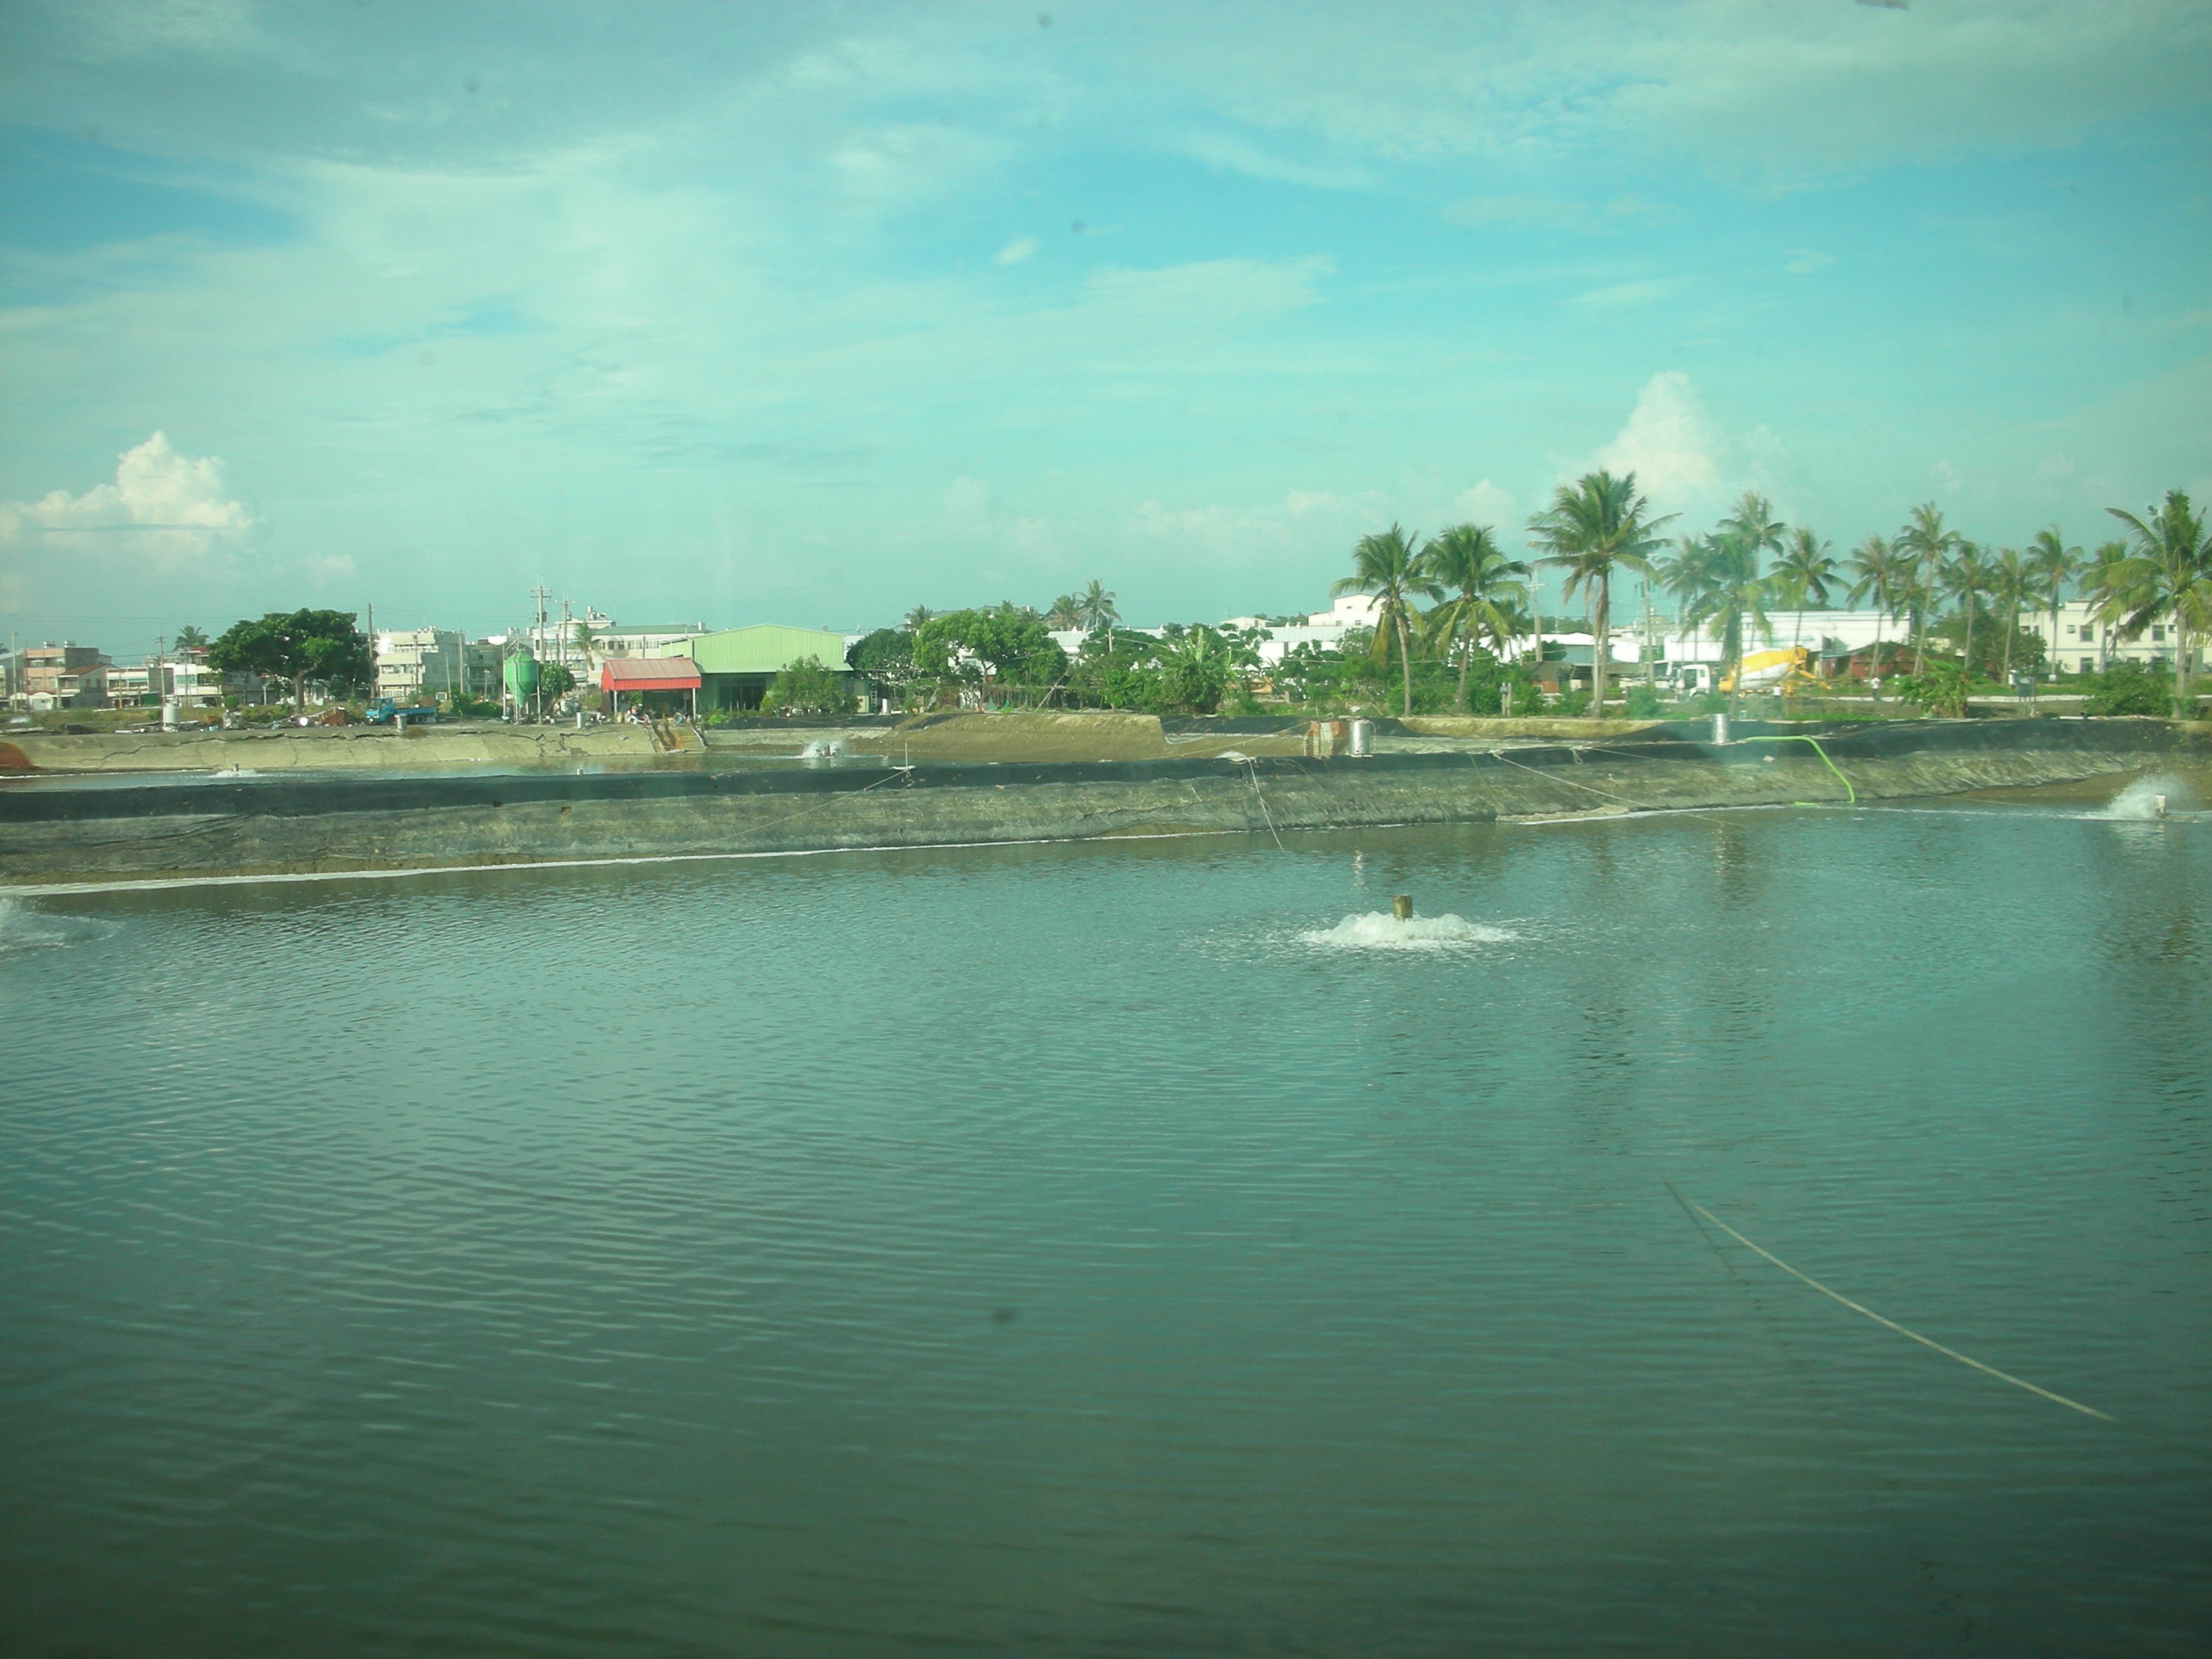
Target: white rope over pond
column 1924, row 1341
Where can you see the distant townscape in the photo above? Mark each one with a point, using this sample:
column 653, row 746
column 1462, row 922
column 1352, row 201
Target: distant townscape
column 1924, row 620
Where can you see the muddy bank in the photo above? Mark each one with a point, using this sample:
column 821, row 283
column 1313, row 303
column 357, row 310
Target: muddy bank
column 337, row 748
column 301, row 824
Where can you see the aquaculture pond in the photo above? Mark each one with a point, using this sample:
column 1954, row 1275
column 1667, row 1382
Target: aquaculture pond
column 1141, row 1248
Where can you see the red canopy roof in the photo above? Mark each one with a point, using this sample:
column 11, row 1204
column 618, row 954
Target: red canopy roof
column 648, row 674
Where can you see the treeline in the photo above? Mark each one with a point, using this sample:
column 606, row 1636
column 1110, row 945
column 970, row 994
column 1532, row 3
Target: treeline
column 1454, row 623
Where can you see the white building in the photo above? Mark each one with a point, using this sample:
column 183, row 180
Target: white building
column 2085, row 646
column 414, row 663
column 556, row 641
column 181, row 677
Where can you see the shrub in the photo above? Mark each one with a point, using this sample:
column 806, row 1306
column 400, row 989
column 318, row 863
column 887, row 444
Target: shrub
column 2129, row 688
column 1644, row 703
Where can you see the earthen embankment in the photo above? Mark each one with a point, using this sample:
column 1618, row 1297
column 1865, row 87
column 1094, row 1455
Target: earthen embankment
column 277, row 824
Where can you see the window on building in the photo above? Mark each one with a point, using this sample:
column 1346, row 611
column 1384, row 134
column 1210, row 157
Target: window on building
column 2158, row 636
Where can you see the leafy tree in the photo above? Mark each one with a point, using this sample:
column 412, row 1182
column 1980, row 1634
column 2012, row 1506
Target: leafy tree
column 2167, row 572
column 1008, row 645
column 2055, row 564
column 1880, row 570
column 1593, row 524
column 1487, row 591
column 1926, row 543
column 884, row 657
column 1941, row 687
column 554, row 680
column 296, row 646
column 1386, row 565
column 1195, row 669
column 806, row 687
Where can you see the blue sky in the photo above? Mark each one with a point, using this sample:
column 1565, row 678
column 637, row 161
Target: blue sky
column 749, row 313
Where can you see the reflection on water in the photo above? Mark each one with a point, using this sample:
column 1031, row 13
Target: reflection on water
column 1086, row 1250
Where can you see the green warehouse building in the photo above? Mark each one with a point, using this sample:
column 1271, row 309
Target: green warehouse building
column 737, row 664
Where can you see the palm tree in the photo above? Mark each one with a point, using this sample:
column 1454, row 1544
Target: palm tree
column 2054, row 564
column 586, row 638
column 189, row 638
column 1066, row 612
column 1755, row 523
column 917, row 617
column 1098, row 612
column 1594, row 524
column 1880, row 570
column 2013, row 584
column 1097, row 605
column 2169, row 570
column 1927, row 542
column 2099, row 583
column 1966, row 576
column 1803, row 572
column 1386, row 565
column 1467, row 559
column 1718, row 581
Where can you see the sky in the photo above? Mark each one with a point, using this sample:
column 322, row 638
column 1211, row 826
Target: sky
column 732, row 313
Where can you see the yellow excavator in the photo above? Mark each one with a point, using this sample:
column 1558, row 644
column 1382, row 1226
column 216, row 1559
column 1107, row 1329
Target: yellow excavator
column 1785, row 669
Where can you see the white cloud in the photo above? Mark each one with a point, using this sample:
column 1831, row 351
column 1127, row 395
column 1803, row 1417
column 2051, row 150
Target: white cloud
column 1675, row 448
column 1484, row 503
column 164, row 506
column 1015, row 251
column 1620, row 296
column 968, row 502
column 1236, row 155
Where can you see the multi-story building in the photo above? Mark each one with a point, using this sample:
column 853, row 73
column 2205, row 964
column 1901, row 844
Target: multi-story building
column 414, row 663
column 2087, row 646
column 180, row 676
column 65, row 676
column 601, row 637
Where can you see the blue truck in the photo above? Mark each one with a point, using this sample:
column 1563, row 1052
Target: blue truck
column 385, row 712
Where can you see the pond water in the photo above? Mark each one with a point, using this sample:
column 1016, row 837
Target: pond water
column 1141, row 1248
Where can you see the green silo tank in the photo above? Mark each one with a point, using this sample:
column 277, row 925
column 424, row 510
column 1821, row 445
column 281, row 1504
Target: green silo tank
column 520, row 674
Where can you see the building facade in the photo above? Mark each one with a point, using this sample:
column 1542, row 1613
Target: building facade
column 42, row 678
column 2085, row 646
column 735, row 665
column 180, row 676
column 414, row 664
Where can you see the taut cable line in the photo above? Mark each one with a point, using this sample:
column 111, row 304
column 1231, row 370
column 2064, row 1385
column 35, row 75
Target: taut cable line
column 1924, row 1341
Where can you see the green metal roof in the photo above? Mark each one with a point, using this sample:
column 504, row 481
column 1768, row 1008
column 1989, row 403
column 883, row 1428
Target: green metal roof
column 764, row 648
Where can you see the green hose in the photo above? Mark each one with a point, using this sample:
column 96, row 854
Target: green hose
column 1851, row 795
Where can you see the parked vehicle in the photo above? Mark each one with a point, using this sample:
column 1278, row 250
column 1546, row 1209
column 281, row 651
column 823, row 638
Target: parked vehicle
column 383, row 712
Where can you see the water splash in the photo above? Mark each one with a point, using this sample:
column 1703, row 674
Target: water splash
column 1379, row 931
column 823, row 749
column 22, row 928
column 2138, row 802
